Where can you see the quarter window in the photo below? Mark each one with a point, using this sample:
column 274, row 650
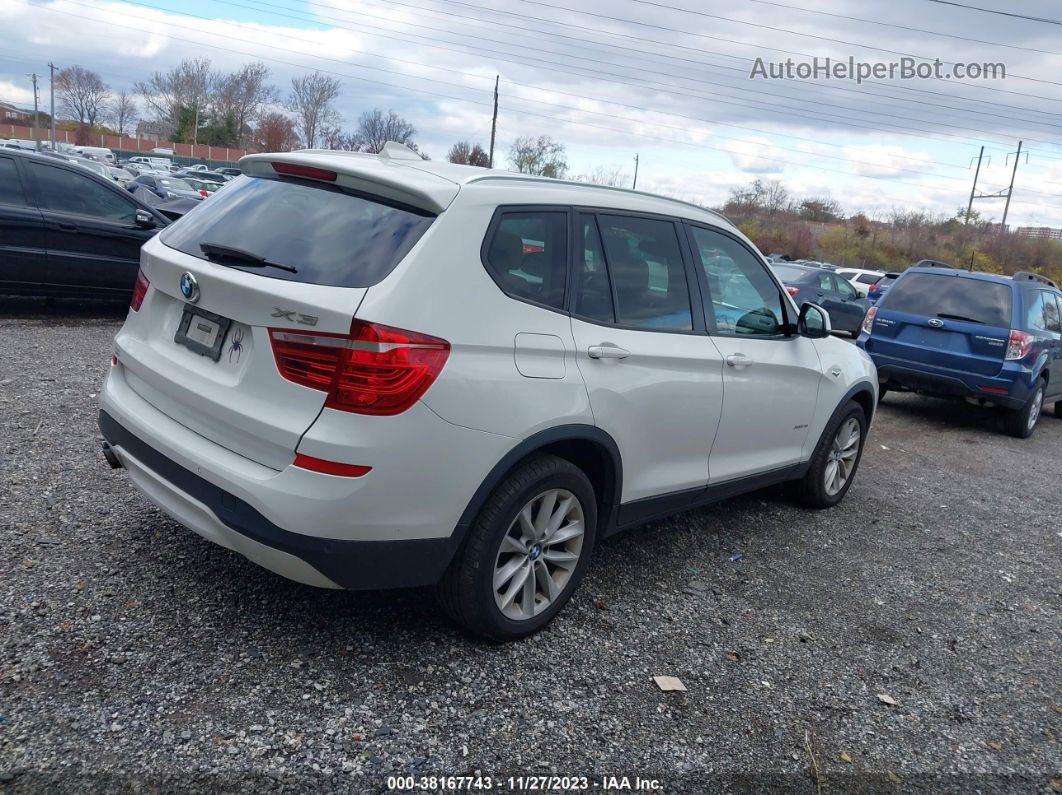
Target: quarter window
column 65, row 191
column 1043, row 312
column 10, row 187
column 742, row 297
column 647, row 273
column 527, row 256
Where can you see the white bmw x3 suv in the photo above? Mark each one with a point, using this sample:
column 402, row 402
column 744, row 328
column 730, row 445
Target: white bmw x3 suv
column 366, row 372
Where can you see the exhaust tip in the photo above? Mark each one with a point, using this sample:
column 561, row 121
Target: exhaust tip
column 111, row 456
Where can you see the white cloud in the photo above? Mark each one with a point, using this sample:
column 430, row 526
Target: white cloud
column 877, row 160
column 12, row 92
column 757, row 156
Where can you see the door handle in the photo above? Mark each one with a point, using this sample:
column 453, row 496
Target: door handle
column 739, row 360
column 606, row 351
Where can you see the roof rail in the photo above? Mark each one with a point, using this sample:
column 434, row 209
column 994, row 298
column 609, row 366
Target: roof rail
column 931, row 263
column 1033, row 277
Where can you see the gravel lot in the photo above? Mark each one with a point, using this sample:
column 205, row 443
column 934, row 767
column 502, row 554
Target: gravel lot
column 135, row 656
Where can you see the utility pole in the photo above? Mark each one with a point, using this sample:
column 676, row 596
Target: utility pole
column 1010, row 190
column 973, row 190
column 493, row 123
column 36, row 142
column 51, row 66
column 635, row 185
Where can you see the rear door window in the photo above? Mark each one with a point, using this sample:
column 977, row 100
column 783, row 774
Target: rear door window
column 593, row 290
column 647, row 272
column 867, row 278
column 527, row 255
column 1043, row 311
column 952, row 298
column 66, row 191
column 10, row 185
column 329, row 235
column 845, row 289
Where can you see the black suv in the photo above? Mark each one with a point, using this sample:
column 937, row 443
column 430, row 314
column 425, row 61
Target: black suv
column 67, row 232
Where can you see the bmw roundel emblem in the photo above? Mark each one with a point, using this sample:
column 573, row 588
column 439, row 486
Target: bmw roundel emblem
column 189, row 287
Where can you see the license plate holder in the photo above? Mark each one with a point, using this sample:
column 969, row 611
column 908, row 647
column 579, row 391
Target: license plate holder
column 202, row 332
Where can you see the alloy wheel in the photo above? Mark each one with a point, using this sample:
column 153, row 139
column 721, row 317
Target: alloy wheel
column 844, row 451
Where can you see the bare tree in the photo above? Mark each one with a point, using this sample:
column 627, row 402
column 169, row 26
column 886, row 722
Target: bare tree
column 82, row 94
column 186, row 87
column 275, row 133
column 243, row 94
column 375, row 129
column 123, row 110
column 541, row 156
column 311, row 101
column 613, row 176
column 468, row 154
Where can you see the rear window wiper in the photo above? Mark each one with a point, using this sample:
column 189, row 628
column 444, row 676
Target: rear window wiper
column 245, row 257
column 959, row 317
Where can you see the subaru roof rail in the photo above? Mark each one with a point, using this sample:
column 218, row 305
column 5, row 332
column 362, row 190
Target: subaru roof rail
column 1033, row 277
column 931, row 263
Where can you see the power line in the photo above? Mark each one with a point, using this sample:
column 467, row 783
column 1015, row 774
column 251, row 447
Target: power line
column 728, row 99
column 1001, row 13
column 555, row 118
column 705, row 14
column 904, row 27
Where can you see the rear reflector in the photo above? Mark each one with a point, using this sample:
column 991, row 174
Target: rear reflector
column 995, row 390
column 140, row 288
column 329, row 467
column 307, row 172
column 375, row 369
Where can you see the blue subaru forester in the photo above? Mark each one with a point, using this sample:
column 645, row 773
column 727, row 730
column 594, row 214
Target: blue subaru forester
column 993, row 340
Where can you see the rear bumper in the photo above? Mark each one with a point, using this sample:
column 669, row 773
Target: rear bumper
column 225, row 519
column 938, row 384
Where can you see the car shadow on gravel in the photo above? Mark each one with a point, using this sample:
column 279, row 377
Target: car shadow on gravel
column 58, row 312
column 947, row 415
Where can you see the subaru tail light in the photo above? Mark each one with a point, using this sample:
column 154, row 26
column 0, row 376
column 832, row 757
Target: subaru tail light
column 874, row 288
column 140, row 288
column 375, row 369
column 868, row 320
column 1019, row 344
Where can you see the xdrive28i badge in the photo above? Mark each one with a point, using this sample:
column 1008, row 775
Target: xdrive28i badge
column 189, row 287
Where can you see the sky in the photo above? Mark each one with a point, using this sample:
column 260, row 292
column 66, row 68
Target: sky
column 666, row 80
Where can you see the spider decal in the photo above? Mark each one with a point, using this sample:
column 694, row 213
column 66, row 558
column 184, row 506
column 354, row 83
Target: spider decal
column 236, row 348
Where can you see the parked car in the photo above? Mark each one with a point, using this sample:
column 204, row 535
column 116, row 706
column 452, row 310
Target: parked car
column 228, row 172
column 121, row 176
column 96, row 153
column 812, row 263
column 65, row 231
column 168, row 187
column 876, row 290
column 994, row 340
column 860, row 278
column 203, row 176
column 203, row 187
column 846, row 307
column 155, row 163
column 398, row 395
column 19, row 143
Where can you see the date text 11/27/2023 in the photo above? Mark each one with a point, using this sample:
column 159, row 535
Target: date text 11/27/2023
column 523, row 784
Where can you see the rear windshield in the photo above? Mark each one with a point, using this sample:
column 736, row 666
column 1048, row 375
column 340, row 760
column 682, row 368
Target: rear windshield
column 952, row 297
column 867, row 278
column 328, row 235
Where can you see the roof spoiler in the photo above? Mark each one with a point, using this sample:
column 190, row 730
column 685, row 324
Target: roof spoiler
column 387, row 175
column 1033, row 277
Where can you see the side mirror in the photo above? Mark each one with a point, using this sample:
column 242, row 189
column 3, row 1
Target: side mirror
column 814, row 321
column 145, row 220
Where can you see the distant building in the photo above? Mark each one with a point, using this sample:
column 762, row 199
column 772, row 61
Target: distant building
column 10, row 114
column 159, row 130
column 1040, row 233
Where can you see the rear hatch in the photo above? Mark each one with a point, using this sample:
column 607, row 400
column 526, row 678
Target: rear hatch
column 944, row 319
column 284, row 252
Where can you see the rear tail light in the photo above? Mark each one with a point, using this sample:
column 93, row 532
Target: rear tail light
column 307, row 172
column 868, row 320
column 375, row 369
column 329, row 467
column 792, row 290
column 1019, row 344
column 140, row 288
column 873, row 288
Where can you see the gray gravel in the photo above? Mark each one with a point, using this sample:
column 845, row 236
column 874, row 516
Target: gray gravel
column 135, row 656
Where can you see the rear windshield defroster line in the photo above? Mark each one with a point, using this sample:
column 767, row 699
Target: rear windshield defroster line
column 327, row 234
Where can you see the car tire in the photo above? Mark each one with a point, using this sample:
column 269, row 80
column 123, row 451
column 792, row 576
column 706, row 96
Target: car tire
column 475, row 586
column 1058, row 409
column 820, row 487
column 1020, row 423
column 882, row 392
